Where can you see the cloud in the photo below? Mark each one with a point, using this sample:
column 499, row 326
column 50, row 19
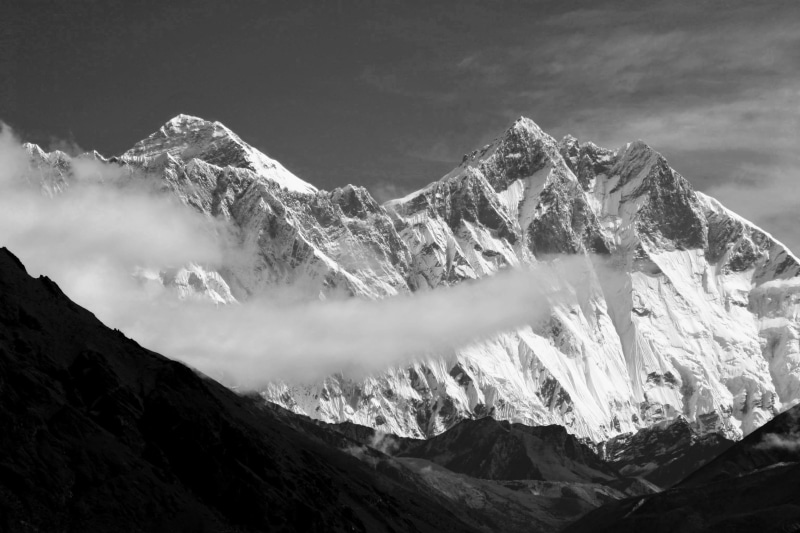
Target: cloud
column 713, row 90
column 703, row 79
column 384, row 191
column 103, row 213
column 384, row 442
column 444, row 150
column 772, row 441
column 789, row 440
column 754, row 120
column 68, row 146
column 265, row 338
column 107, row 222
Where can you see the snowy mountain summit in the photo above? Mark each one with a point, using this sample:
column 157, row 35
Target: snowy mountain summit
column 186, row 138
column 686, row 310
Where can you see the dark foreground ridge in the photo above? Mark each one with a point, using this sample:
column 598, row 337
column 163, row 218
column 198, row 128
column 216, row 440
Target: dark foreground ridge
column 652, row 459
column 494, row 449
column 100, row 434
column 753, row 486
column 664, row 453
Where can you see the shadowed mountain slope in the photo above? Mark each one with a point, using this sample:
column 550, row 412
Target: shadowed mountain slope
column 491, row 449
column 753, row 486
column 100, row 434
column 664, row 453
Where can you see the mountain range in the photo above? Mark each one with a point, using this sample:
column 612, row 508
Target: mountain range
column 683, row 310
column 659, row 390
column 101, row 434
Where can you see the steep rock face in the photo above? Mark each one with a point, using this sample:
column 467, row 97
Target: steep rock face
column 685, row 310
column 185, row 138
column 324, row 241
column 678, row 308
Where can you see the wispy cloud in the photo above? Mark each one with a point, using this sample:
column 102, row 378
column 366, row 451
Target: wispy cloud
column 68, row 146
column 787, row 440
column 384, row 191
column 102, row 214
column 108, row 222
column 265, row 338
column 772, row 441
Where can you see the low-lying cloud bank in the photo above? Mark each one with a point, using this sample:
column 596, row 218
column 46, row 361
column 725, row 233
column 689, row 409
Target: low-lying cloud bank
column 94, row 232
column 787, row 441
column 264, row 338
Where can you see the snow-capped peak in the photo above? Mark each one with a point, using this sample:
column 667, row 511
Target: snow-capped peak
column 182, row 120
column 187, row 137
column 679, row 322
column 523, row 141
column 528, row 125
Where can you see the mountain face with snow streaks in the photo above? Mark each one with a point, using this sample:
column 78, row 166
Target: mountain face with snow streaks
column 325, row 241
column 681, row 309
column 675, row 306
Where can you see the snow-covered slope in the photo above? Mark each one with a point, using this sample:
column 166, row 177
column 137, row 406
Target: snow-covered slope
column 340, row 241
column 186, row 138
column 685, row 309
column 682, row 308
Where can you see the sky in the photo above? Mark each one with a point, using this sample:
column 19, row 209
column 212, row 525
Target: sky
column 390, row 94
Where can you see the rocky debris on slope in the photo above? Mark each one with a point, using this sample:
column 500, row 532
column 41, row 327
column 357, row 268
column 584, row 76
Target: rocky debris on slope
column 663, row 453
column 99, row 434
column 753, row 486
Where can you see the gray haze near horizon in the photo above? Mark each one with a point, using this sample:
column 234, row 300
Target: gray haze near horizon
column 389, row 95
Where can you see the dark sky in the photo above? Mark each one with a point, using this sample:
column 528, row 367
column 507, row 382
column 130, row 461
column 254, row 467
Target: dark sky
column 390, row 94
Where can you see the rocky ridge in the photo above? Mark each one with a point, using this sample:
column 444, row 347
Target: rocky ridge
column 752, row 486
column 664, row 453
column 686, row 310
